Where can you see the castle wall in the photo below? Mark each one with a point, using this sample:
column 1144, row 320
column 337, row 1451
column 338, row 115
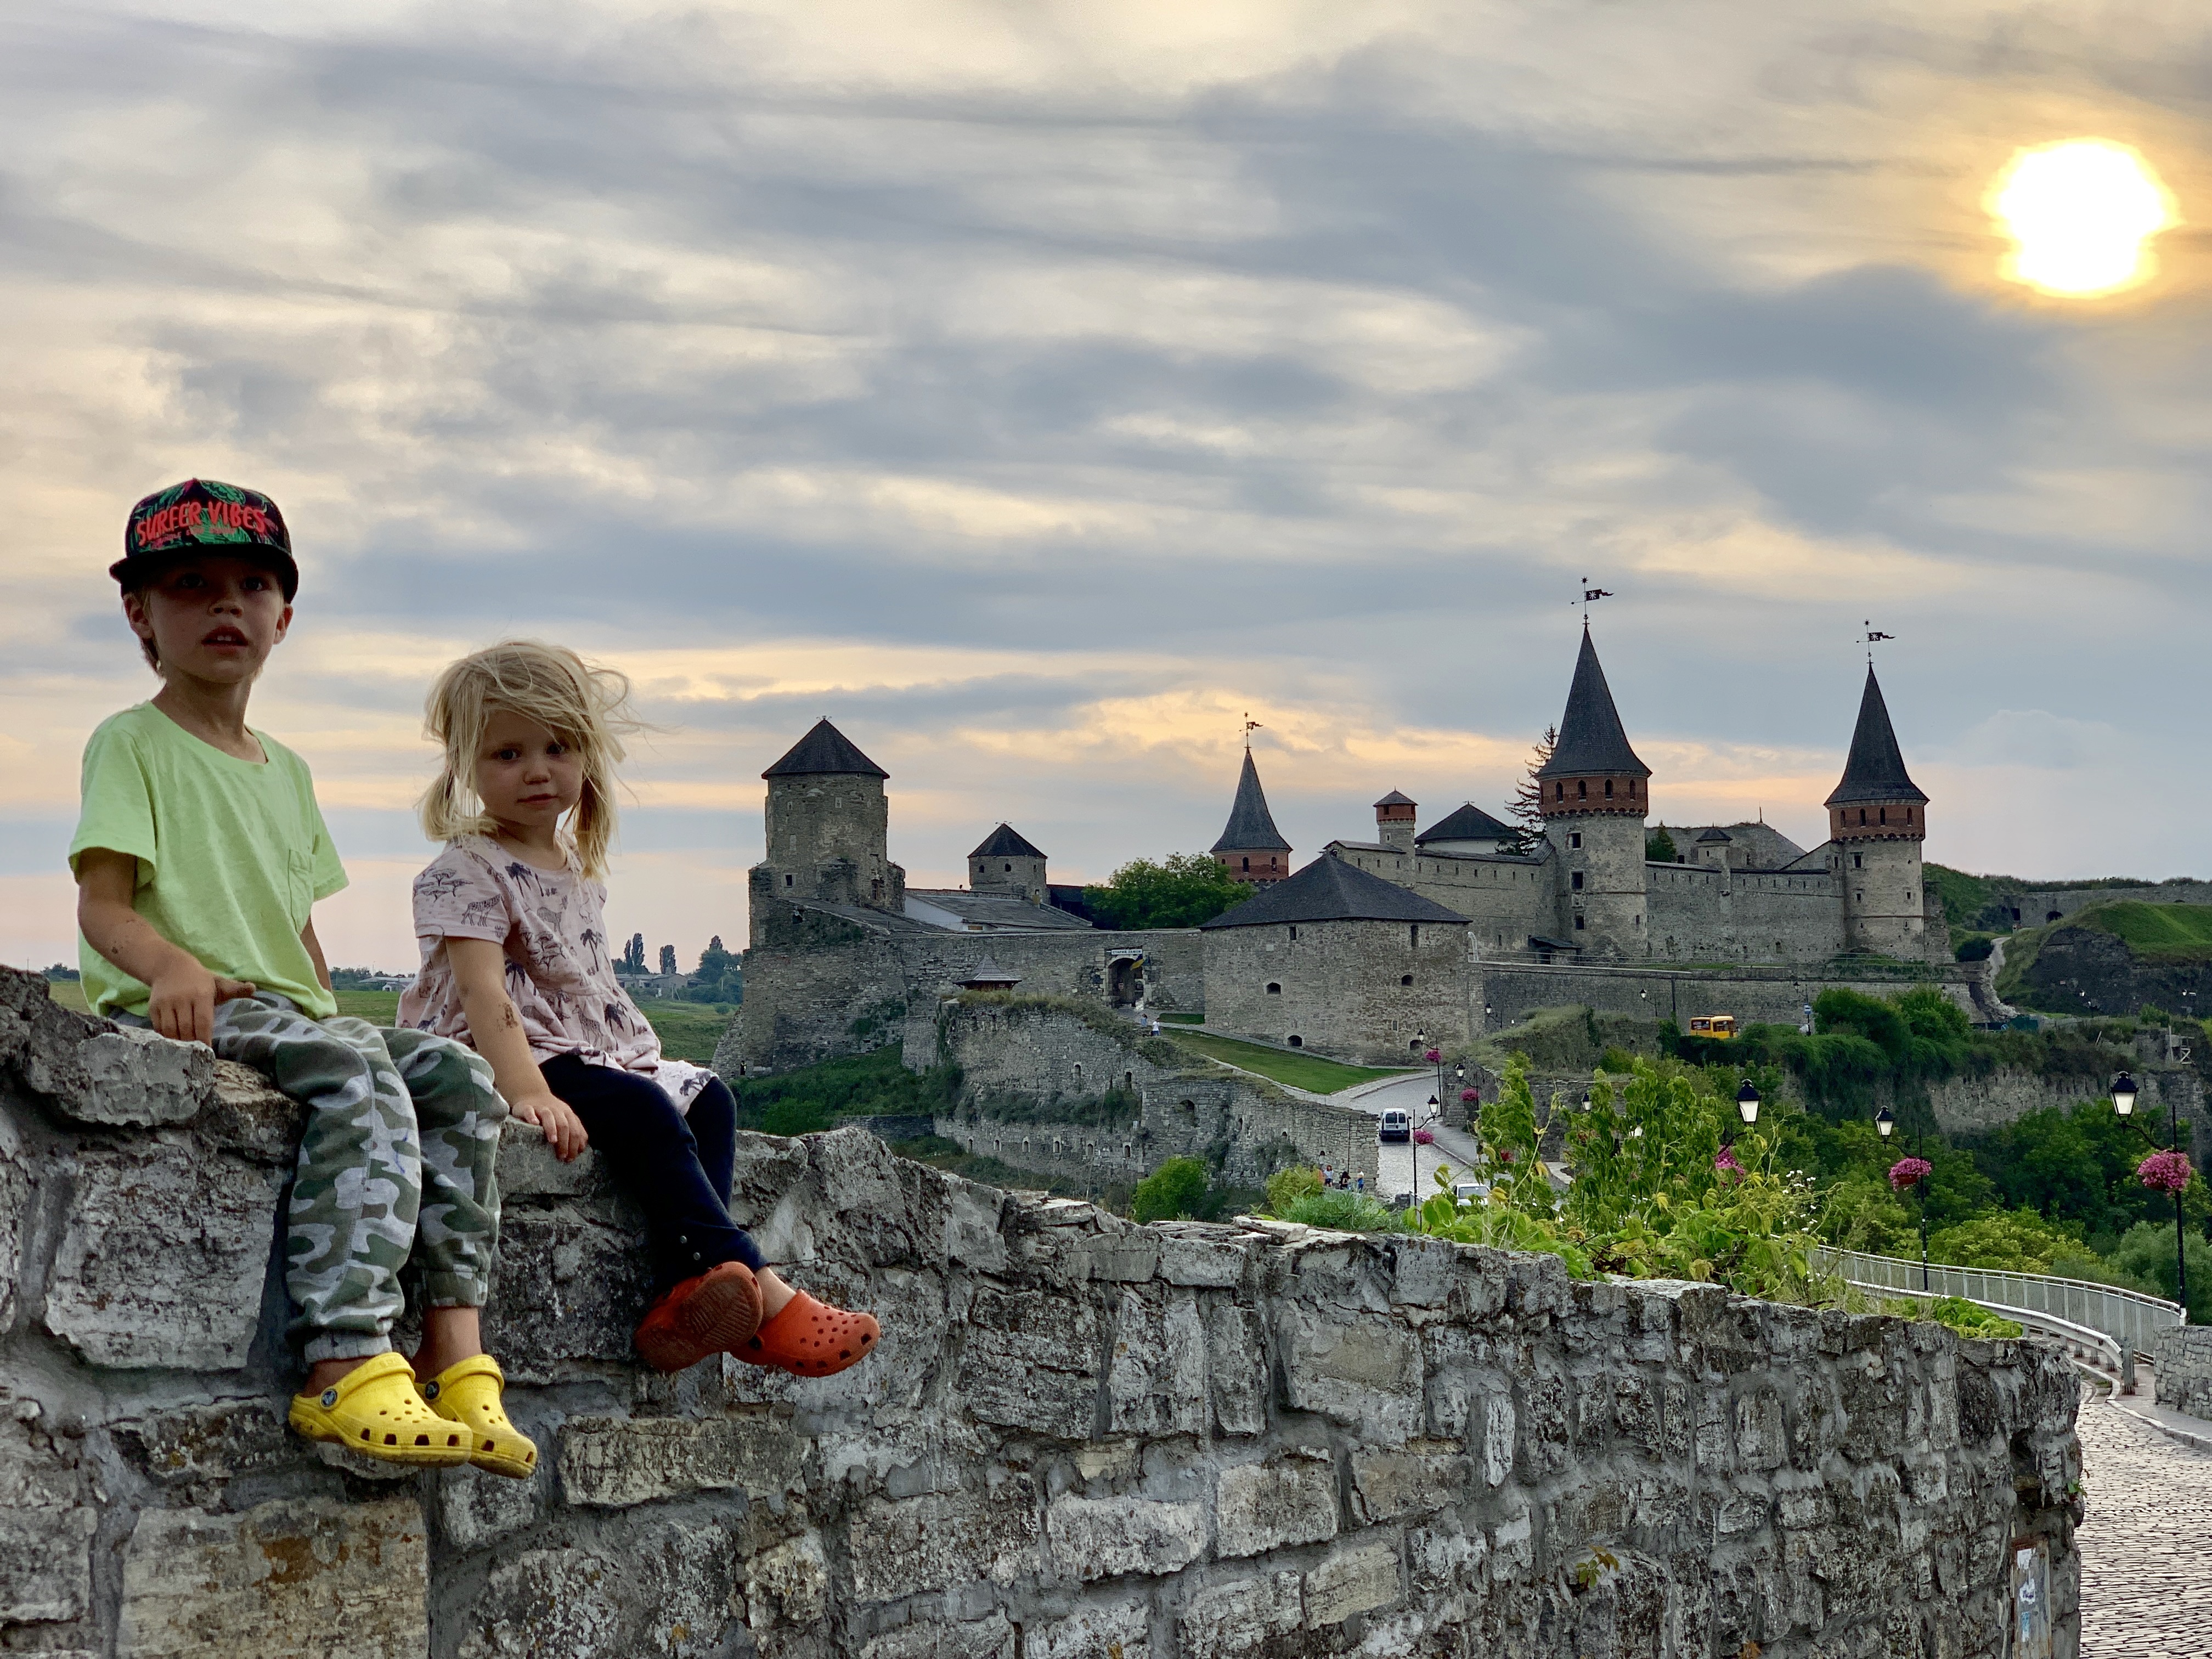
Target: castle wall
column 827, row 836
column 1506, row 992
column 1699, row 913
column 1342, row 985
column 2042, row 905
column 1032, row 1077
column 1505, row 899
column 1600, row 897
column 1884, row 901
column 1189, row 1441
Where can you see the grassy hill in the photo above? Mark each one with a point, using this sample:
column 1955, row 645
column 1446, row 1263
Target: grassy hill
column 2155, row 932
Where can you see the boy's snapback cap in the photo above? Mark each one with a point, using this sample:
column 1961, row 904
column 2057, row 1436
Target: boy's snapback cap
column 201, row 516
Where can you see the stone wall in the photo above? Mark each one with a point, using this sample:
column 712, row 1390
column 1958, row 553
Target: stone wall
column 1357, row 990
column 1504, row 898
column 1034, row 1079
column 1702, row 913
column 2182, row 1357
column 1507, row 992
column 2086, row 970
column 1078, row 1437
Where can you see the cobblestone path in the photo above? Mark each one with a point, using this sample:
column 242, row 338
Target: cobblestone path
column 2146, row 1542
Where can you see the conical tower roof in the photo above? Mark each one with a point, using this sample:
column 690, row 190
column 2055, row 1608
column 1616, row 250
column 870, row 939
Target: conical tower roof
column 1251, row 825
column 825, row 750
column 1591, row 740
column 1875, row 770
column 1005, row 842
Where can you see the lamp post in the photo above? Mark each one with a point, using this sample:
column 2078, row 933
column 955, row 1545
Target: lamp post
column 2124, row 1103
column 1885, row 1123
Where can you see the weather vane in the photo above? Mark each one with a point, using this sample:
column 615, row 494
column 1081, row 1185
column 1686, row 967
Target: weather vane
column 1250, row 727
column 1873, row 635
column 1590, row 596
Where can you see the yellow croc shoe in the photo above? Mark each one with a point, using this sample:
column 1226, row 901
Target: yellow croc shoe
column 374, row 1409
column 467, row 1392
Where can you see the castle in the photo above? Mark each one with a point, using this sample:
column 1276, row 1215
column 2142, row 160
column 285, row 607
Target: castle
column 1376, row 947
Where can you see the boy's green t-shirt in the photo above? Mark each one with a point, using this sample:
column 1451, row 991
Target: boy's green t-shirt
column 232, row 855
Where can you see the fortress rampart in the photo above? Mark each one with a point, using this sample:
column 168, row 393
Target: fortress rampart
column 1077, row 1437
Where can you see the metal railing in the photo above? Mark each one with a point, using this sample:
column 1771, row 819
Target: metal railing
column 2125, row 1318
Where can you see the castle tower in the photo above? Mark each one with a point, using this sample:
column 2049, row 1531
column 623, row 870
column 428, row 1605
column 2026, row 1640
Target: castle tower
column 1251, row 849
column 1005, row 863
column 827, row 828
column 1596, row 794
column 1878, row 818
column 1393, row 821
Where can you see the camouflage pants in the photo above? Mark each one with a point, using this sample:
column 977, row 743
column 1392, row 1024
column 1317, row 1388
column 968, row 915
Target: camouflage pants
column 401, row 1133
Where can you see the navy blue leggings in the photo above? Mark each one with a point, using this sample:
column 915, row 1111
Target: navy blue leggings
column 678, row 1168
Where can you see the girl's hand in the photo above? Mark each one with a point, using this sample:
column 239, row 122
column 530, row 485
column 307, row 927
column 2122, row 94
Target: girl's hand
column 564, row 1130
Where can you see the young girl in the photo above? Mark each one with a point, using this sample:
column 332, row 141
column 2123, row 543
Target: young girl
column 511, row 918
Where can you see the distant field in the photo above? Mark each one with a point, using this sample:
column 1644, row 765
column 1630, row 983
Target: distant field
column 1309, row 1072
column 688, row 1030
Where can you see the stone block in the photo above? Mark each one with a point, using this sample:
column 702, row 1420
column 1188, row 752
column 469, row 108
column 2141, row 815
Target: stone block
column 1412, row 1479
column 990, row 1637
column 1156, row 1377
column 45, row 1562
column 612, row 1462
column 1237, row 1368
column 1105, row 1537
column 476, row 1510
column 667, row 1589
column 1121, row 1631
column 133, row 1076
column 293, row 1579
column 1361, row 1371
column 528, row 1167
column 1259, row 1507
column 1497, row 1431
column 250, row 1116
column 210, row 1219
column 973, row 1236
column 211, row 1444
column 1224, row 1621
column 14, row 1217
column 1215, row 1260
column 569, row 1290
column 903, row 1546
column 1352, row 1581
column 1032, row 1362
column 787, row 1584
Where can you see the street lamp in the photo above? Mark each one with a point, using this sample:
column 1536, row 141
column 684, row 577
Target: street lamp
column 1885, row 1124
column 2124, row 1103
column 1747, row 1104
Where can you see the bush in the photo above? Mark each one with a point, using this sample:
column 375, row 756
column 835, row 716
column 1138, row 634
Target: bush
column 2145, row 1254
column 1971, row 1319
column 2014, row 1240
column 1174, row 1190
column 813, row 1097
column 1180, row 891
column 1287, row 1186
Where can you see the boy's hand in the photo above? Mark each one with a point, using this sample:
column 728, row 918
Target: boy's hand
column 564, row 1130
column 183, row 999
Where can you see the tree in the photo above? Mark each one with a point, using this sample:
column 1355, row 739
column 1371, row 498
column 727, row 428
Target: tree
column 1176, row 1188
column 720, row 977
column 1527, row 806
column 1659, row 846
column 668, row 961
column 633, row 956
column 1180, row 891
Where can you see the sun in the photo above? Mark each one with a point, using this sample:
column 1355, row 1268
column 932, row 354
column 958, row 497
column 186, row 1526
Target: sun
column 2081, row 214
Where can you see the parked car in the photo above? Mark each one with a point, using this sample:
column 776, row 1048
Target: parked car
column 1393, row 1125
column 1470, row 1192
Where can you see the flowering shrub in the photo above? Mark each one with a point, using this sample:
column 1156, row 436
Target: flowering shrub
column 1726, row 1163
column 1433, row 1056
column 1910, row 1172
column 1423, row 1138
column 2165, row 1172
column 1469, row 1096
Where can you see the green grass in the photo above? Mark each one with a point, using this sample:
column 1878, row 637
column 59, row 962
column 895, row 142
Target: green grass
column 2155, row 932
column 1169, row 1017
column 688, row 1030
column 1308, row 1072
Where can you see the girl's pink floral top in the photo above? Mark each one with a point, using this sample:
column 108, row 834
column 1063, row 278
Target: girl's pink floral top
column 551, row 924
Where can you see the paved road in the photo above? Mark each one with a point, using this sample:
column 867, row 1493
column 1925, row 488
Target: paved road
column 2146, row 1542
column 1411, row 1095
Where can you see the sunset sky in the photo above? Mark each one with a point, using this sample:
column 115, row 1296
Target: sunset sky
column 1034, row 389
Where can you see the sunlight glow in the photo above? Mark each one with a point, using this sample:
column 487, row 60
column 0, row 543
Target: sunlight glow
column 2081, row 214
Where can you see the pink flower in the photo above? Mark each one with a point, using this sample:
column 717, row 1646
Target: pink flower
column 2165, row 1172
column 1910, row 1172
column 1469, row 1096
column 1726, row 1163
column 1504, row 1154
column 1423, row 1138
column 1433, row 1056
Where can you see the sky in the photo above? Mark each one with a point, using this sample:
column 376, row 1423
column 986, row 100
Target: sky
column 1038, row 390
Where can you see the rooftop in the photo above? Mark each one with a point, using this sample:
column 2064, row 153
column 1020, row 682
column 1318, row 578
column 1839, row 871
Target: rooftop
column 1591, row 740
column 1331, row 890
column 1470, row 822
column 825, row 750
column 988, row 912
column 1875, row 770
column 1005, row 842
column 1251, row 825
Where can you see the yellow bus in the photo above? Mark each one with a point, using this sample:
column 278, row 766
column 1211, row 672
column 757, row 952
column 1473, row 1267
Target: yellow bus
column 1722, row 1027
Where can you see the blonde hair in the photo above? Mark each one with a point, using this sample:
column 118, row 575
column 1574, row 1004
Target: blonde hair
column 586, row 706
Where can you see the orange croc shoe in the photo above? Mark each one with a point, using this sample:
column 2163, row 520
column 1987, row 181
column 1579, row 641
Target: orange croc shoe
column 810, row 1338
column 716, row 1311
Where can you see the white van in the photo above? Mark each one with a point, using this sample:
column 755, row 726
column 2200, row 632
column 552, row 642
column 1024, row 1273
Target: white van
column 1393, row 1125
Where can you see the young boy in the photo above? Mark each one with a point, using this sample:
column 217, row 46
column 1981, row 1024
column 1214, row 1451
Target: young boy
column 198, row 856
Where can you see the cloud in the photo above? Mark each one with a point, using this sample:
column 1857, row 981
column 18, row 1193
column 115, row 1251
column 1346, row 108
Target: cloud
column 1037, row 389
